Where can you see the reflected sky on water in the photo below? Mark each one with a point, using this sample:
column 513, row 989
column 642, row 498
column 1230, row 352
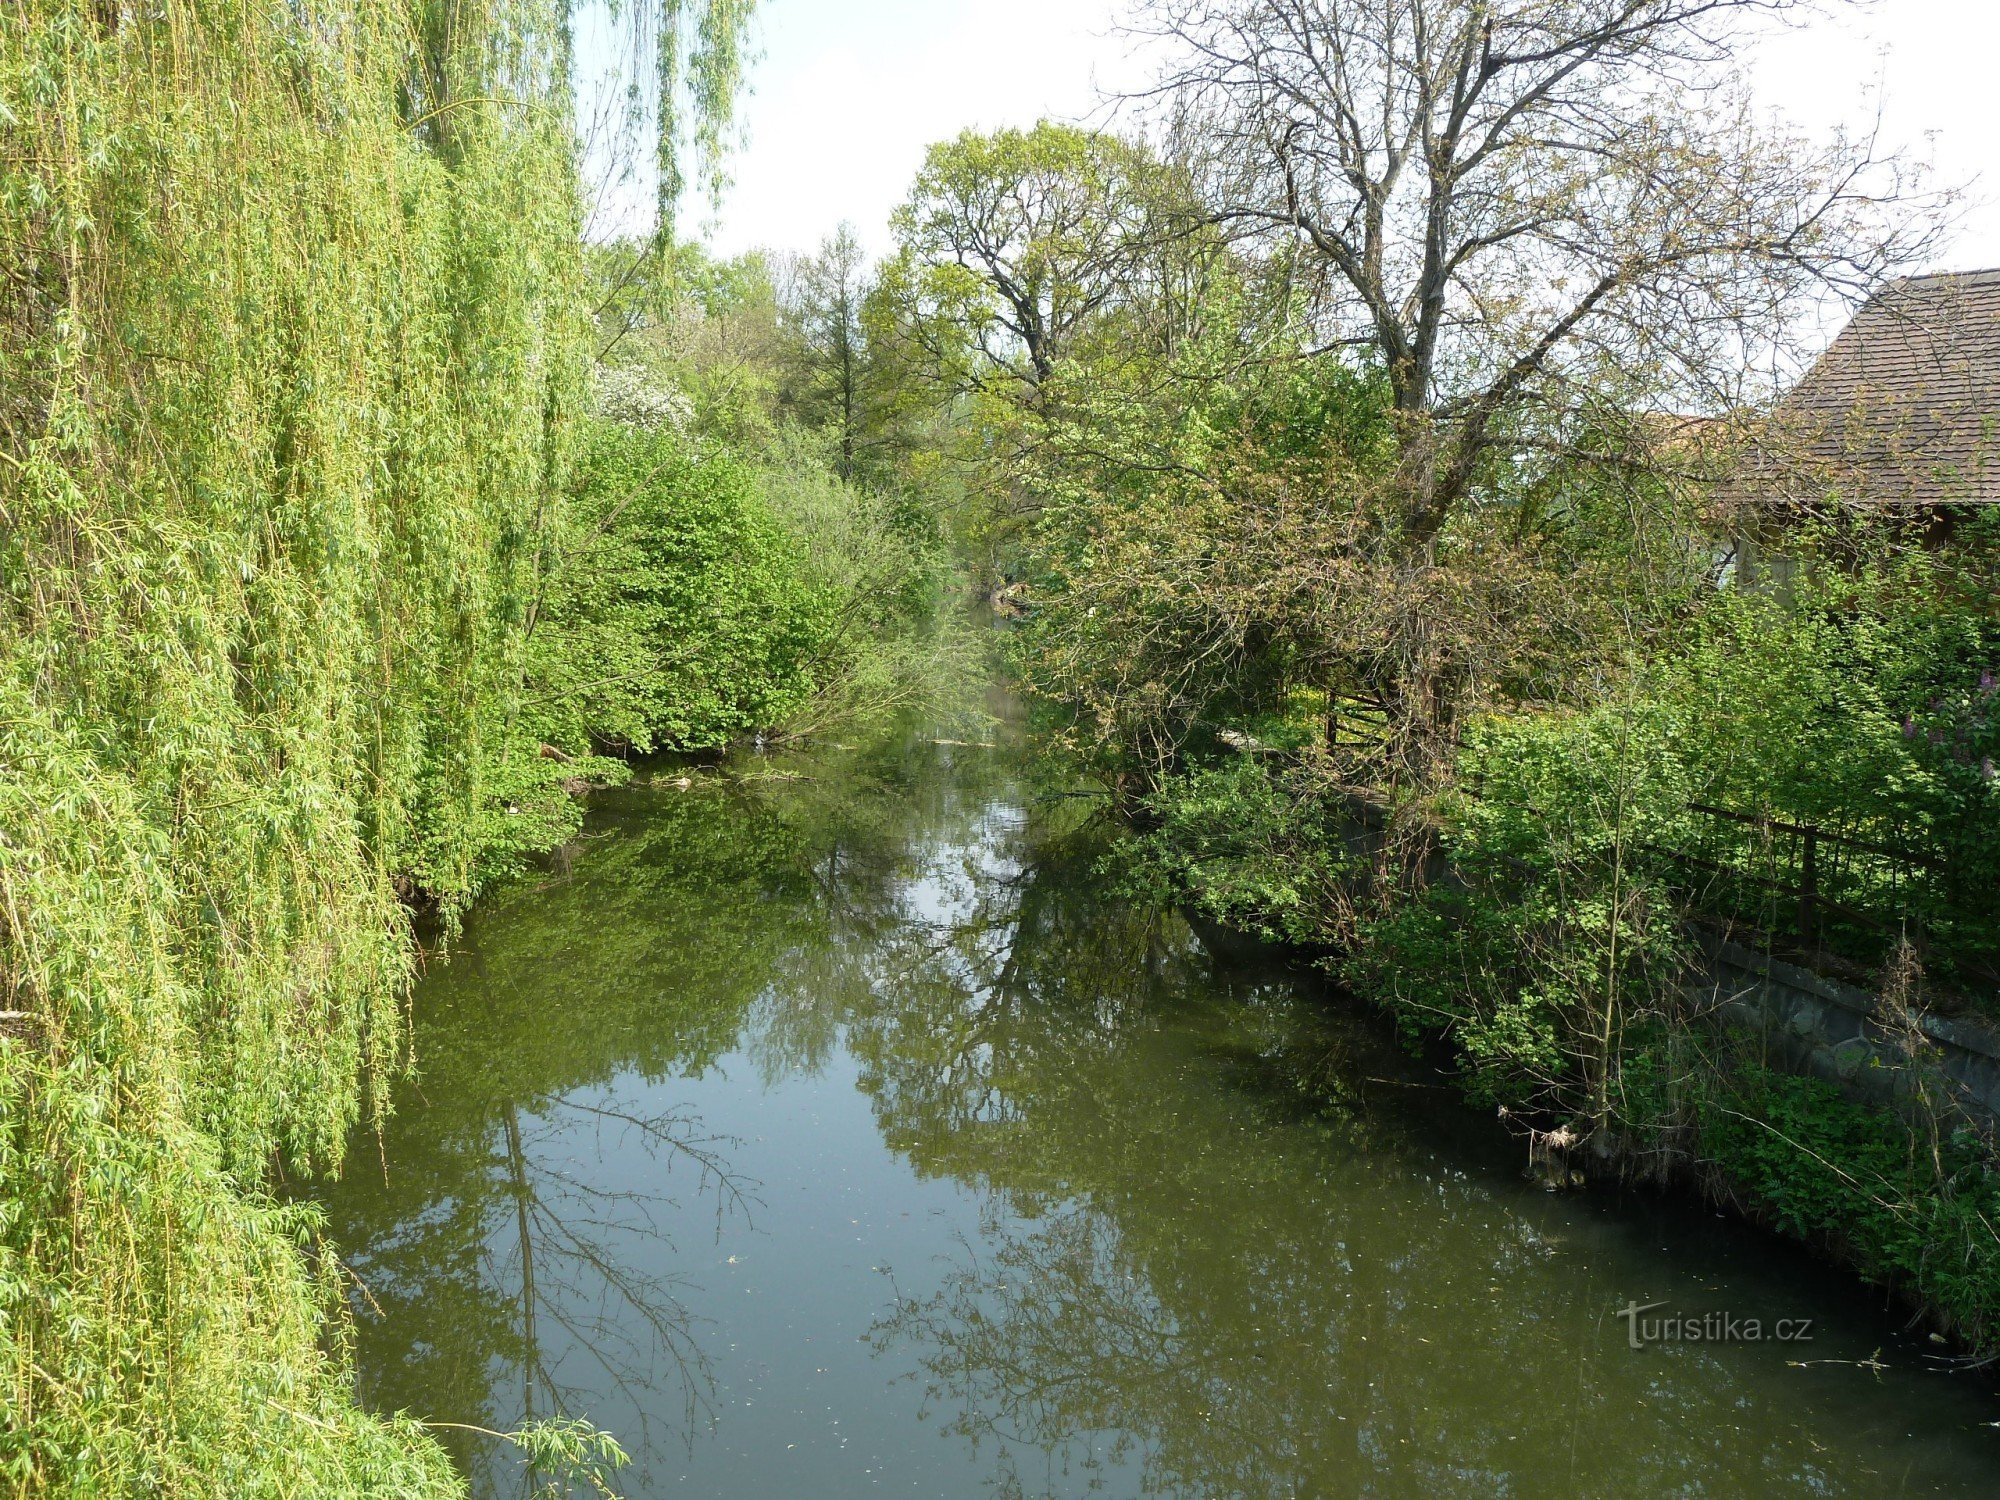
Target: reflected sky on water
column 824, row 1128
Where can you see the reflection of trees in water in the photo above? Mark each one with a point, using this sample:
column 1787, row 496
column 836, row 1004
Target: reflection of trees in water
column 1215, row 1255
column 569, row 1258
column 1211, row 1254
column 998, row 1350
column 510, row 1269
column 993, row 964
column 527, row 1273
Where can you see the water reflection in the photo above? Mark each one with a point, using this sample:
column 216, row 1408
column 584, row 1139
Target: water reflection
column 831, row 1129
column 524, row 1281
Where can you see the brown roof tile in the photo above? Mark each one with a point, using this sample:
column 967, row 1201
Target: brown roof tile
column 1902, row 409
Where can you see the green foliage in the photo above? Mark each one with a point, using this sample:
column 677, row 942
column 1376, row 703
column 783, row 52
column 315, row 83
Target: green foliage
column 1547, row 944
column 720, row 339
column 702, row 53
column 571, row 1453
column 696, row 598
column 892, row 641
column 294, row 345
column 1863, row 706
column 1032, row 268
column 1246, row 849
column 160, row 1329
column 1012, row 243
column 837, row 579
column 1860, row 705
column 831, row 385
column 1911, row 1211
column 677, row 612
column 1184, row 541
column 1855, row 707
column 1554, row 943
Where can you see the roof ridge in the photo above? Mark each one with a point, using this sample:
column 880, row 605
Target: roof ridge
column 1988, row 271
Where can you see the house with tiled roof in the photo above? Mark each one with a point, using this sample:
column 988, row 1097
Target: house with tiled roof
column 1902, row 413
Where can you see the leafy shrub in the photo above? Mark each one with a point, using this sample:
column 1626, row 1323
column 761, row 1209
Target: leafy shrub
column 677, row 612
column 1864, row 707
column 880, row 553
column 1554, row 935
column 1910, row 1211
column 1246, row 848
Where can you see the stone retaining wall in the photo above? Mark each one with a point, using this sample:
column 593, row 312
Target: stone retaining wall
column 1851, row 1037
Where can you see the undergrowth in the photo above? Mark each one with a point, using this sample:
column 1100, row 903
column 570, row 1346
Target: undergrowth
column 1546, row 936
column 1911, row 1210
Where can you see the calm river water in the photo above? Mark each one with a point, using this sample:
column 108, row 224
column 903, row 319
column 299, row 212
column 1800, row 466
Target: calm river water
column 824, row 1129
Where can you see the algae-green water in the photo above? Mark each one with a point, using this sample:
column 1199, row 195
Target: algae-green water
column 823, row 1126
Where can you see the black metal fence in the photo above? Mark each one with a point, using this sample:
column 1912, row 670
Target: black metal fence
column 1817, row 891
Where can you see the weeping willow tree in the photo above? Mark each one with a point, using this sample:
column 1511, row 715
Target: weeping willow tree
column 292, row 341
column 701, row 61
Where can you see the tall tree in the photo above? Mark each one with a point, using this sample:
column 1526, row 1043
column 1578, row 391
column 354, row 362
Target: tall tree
column 1011, row 243
column 827, row 297
column 1512, row 202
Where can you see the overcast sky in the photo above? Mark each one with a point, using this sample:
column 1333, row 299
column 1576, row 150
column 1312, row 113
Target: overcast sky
column 849, row 93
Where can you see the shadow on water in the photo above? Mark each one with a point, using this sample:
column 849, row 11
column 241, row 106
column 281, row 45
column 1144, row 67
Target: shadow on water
column 825, row 1128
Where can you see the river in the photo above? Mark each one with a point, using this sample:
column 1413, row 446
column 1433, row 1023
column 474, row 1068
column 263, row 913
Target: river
column 823, row 1127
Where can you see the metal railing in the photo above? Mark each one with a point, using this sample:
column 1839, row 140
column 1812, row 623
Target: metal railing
column 1809, row 889
column 1830, row 887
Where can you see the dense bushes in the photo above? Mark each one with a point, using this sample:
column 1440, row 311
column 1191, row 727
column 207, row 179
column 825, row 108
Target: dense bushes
column 1250, row 846
column 697, row 596
column 676, row 611
column 1863, row 705
column 1577, row 839
column 1547, row 939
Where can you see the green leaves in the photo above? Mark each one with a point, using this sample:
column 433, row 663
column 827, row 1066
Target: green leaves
column 1019, row 250
column 703, row 58
column 676, row 612
column 290, row 377
column 564, row 1454
column 1913, row 1211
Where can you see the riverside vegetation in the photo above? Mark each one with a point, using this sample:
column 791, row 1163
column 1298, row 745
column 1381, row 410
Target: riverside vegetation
column 356, row 516
column 333, row 572
column 1338, row 446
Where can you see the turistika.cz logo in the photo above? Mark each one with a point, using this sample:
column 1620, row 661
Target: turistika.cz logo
column 1708, row 1328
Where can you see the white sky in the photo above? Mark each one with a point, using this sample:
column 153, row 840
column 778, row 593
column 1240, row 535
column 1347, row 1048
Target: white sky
column 849, row 93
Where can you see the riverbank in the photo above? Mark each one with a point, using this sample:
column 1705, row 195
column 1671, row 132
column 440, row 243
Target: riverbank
column 831, row 1092
column 1853, row 1123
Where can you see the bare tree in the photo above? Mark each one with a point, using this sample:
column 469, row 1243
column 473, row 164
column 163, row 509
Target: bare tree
column 1509, row 203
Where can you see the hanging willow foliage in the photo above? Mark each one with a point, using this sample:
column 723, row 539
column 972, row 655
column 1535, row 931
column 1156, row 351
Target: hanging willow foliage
column 701, row 67
column 291, row 343
column 684, row 67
